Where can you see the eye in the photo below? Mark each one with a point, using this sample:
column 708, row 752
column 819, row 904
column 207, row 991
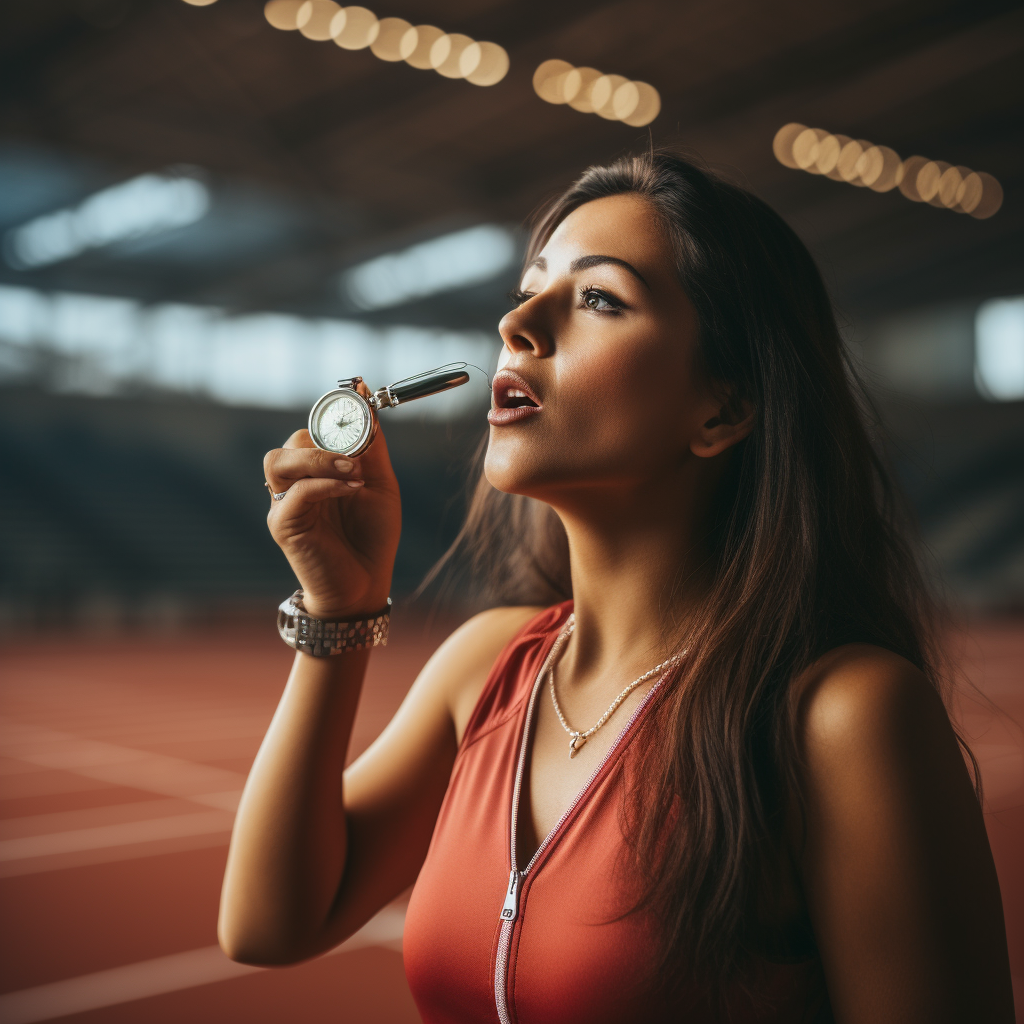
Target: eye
column 517, row 296
column 599, row 301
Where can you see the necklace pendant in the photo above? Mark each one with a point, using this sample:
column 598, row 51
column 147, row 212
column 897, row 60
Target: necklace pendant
column 575, row 743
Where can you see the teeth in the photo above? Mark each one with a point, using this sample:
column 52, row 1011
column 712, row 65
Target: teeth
column 513, row 393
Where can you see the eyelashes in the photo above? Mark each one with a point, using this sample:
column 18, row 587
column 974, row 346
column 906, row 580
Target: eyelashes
column 589, row 299
column 589, row 293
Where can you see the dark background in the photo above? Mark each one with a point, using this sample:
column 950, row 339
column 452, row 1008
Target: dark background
column 125, row 503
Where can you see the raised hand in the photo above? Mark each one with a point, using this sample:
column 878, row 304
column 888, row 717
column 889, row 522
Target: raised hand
column 338, row 523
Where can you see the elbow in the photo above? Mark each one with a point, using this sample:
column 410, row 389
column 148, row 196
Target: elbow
column 246, row 946
column 256, row 954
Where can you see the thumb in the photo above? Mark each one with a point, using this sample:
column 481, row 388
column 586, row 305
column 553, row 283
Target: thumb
column 375, row 462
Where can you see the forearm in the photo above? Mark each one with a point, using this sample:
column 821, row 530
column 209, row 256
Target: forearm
column 289, row 841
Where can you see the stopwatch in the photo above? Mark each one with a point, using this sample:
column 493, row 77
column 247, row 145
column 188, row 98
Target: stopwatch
column 345, row 422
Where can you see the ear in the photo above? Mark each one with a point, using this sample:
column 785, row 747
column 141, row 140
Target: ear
column 728, row 426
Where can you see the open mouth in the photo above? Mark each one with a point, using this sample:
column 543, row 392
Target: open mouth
column 514, row 399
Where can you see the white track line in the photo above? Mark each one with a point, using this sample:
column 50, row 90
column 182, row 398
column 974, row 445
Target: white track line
column 113, row 854
column 173, row 827
column 109, row 762
column 81, row 843
column 164, row 974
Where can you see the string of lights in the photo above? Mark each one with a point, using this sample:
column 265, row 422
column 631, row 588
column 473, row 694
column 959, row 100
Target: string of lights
column 454, row 55
column 426, row 47
column 861, row 163
column 587, row 90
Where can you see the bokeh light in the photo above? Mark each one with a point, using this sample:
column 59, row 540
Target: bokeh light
column 426, row 36
column 625, row 100
column 578, row 88
column 999, row 348
column 283, row 14
column 848, row 166
column 450, row 261
column 140, row 207
column 484, row 63
column 354, row 28
column 782, row 144
column 396, row 39
column 427, row 47
column 949, row 185
column 446, row 54
column 602, row 92
column 880, row 168
column 315, row 17
column 648, row 103
column 862, row 163
column 589, row 91
column 829, row 149
column 928, row 179
column 549, row 80
column 991, row 196
column 908, row 186
column 806, row 149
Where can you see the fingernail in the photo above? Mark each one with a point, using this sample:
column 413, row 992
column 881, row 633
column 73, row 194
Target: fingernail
column 354, row 483
column 343, row 465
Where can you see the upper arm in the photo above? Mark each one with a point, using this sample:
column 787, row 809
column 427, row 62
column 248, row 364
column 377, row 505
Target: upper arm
column 393, row 791
column 896, row 867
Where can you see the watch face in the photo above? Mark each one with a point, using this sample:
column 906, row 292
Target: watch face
column 340, row 422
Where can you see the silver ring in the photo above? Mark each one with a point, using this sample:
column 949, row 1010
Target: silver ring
column 278, row 497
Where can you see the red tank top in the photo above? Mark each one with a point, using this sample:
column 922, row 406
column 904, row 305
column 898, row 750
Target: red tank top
column 488, row 940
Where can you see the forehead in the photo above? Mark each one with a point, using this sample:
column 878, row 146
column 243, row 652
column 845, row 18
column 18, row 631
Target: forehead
column 624, row 226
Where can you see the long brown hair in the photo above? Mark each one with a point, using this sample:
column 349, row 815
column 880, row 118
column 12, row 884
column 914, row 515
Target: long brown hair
column 808, row 553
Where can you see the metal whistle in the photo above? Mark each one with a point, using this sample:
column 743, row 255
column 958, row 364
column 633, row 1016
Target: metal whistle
column 345, row 422
column 431, row 382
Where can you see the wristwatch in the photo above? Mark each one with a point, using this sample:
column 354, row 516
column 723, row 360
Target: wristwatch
column 321, row 637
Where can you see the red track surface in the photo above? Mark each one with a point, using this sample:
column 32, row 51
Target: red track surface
column 119, row 761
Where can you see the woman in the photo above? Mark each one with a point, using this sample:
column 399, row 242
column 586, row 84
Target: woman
column 697, row 766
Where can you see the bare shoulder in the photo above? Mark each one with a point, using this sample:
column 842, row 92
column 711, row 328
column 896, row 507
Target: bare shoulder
column 876, row 740
column 859, row 696
column 463, row 662
column 892, row 853
column 860, row 701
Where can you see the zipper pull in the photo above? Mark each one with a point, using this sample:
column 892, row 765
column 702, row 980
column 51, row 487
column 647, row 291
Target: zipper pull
column 510, row 909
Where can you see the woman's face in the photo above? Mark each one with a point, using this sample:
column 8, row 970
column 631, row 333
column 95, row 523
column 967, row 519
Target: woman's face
column 605, row 340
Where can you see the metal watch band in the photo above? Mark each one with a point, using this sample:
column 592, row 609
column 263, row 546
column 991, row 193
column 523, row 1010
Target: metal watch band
column 321, row 638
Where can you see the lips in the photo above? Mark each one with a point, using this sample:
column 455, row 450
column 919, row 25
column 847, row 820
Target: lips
column 514, row 399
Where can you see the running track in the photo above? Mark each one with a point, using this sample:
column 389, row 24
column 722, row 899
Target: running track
column 120, row 766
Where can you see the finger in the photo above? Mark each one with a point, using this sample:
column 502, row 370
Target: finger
column 304, row 493
column 283, row 466
column 375, row 462
column 300, row 439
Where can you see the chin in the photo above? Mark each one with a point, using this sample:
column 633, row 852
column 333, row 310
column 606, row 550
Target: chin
column 504, row 467
column 520, row 468
column 511, row 466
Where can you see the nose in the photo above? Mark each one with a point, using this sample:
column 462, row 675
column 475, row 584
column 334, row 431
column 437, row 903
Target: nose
column 522, row 331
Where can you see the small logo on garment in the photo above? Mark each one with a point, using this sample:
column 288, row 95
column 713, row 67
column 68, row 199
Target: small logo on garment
column 507, row 912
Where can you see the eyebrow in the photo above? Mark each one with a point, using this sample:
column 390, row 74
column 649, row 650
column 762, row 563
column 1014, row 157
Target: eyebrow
column 595, row 260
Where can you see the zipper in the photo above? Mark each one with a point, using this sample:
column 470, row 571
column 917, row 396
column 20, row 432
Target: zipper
column 510, row 906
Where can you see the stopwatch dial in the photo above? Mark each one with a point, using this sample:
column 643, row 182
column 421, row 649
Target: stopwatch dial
column 341, row 422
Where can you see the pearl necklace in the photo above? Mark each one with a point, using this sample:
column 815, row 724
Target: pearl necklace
column 577, row 738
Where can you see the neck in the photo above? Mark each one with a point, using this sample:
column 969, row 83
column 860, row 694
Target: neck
column 636, row 559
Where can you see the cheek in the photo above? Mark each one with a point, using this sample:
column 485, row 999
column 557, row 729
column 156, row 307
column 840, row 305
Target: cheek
column 629, row 404
column 606, row 394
